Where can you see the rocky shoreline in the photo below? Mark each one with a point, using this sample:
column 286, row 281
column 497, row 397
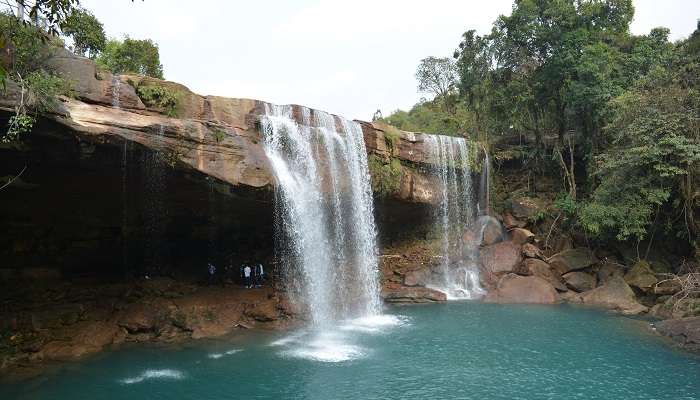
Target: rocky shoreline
column 66, row 322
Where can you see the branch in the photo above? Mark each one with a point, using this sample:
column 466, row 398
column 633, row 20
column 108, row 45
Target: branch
column 13, row 178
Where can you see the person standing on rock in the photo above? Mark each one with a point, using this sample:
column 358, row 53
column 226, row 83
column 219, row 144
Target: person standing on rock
column 246, row 275
column 212, row 272
column 259, row 275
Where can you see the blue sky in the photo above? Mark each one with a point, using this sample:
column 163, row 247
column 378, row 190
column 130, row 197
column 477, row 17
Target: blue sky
column 346, row 57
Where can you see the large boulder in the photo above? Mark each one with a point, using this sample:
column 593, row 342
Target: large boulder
column 685, row 331
column 641, row 276
column 532, row 251
column 572, row 260
column 514, row 288
column 539, row 268
column 500, row 257
column 511, row 222
column 402, row 294
column 609, row 270
column 521, row 236
column 616, row 295
column 491, row 231
column 526, row 208
column 580, row 281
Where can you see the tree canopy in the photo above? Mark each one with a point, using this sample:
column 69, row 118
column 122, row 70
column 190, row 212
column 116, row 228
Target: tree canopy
column 87, row 33
column 132, row 56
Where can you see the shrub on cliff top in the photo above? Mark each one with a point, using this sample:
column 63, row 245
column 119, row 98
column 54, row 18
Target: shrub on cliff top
column 161, row 97
column 386, row 177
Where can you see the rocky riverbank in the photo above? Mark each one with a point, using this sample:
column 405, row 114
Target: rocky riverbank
column 59, row 322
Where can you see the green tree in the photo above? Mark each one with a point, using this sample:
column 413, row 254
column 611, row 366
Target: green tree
column 436, row 76
column 87, row 33
column 132, row 56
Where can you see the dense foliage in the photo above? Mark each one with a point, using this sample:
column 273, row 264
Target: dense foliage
column 612, row 116
column 87, row 33
column 132, row 56
column 160, row 97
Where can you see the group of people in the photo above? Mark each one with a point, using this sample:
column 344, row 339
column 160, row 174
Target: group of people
column 251, row 275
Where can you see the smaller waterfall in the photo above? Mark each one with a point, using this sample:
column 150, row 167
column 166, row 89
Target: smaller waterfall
column 116, row 92
column 484, row 185
column 155, row 213
column 456, row 218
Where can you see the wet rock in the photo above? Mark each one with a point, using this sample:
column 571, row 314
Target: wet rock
column 492, row 232
column 87, row 338
column 514, row 288
column 536, row 267
column 531, row 251
column 616, row 295
column 501, row 257
column 572, row 260
column 521, row 236
column 579, row 281
column 571, row 297
column 641, row 276
column 263, row 312
column 417, row 277
column 400, row 294
column 684, row 331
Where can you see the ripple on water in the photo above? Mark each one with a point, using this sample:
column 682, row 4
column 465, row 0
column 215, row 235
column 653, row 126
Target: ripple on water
column 216, row 356
column 154, row 374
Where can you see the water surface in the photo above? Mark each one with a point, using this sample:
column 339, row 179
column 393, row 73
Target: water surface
column 459, row 350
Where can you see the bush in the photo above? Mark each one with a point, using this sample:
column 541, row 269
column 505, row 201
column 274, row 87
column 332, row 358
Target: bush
column 160, row 97
column 44, row 88
column 132, row 56
column 386, row 177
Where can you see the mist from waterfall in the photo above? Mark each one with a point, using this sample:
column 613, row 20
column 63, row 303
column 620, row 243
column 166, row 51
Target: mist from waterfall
column 456, row 218
column 324, row 206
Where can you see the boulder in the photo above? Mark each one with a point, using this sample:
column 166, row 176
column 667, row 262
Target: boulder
column 491, row 231
column 510, row 222
column 616, row 295
column 400, row 294
column 572, row 260
column 684, row 331
column 525, row 208
column 571, row 297
column 667, row 287
column 521, row 236
column 417, row 277
column 536, row 267
column 500, row 257
column 609, row 270
column 580, row 281
column 87, row 338
column 641, row 276
column 562, row 243
column 514, row 288
column 265, row 311
column 532, row 251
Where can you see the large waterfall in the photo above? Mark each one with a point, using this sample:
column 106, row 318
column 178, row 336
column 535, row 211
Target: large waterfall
column 456, row 218
column 324, row 205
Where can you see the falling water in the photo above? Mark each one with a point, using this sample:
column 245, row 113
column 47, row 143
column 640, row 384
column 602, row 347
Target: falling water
column 455, row 218
column 325, row 207
column 125, row 207
column 155, row 212
column 484, row 185
column 116, row 92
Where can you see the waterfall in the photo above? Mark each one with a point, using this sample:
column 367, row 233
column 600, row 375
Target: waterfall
column 116, row 92
column 324, row 206
column 484, row 185
column 455, row 218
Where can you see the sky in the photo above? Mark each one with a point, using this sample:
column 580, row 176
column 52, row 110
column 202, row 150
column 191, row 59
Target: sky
column 346, row 57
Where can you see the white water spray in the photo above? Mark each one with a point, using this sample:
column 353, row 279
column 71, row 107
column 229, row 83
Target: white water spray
column 116, row 92
column 456, row 218
column 324, row 204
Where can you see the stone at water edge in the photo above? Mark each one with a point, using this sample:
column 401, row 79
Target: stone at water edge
column 572, row 260
column 580, row 281
column 514, row 288
column 402, row 294
column 615, row 295
column 684, row 331
column 500, row 257
column 641, row 276
column 535, row 267
column 521, row 236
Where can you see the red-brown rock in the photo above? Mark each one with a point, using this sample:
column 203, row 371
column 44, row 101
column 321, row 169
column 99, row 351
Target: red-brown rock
column 579, row 281
column 513, row 288
column 536, row 267
column 501, row 257
column 521, row 236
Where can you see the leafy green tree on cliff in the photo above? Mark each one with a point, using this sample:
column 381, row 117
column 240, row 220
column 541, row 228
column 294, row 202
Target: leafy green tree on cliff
column 132, row 56
column 87, row 33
